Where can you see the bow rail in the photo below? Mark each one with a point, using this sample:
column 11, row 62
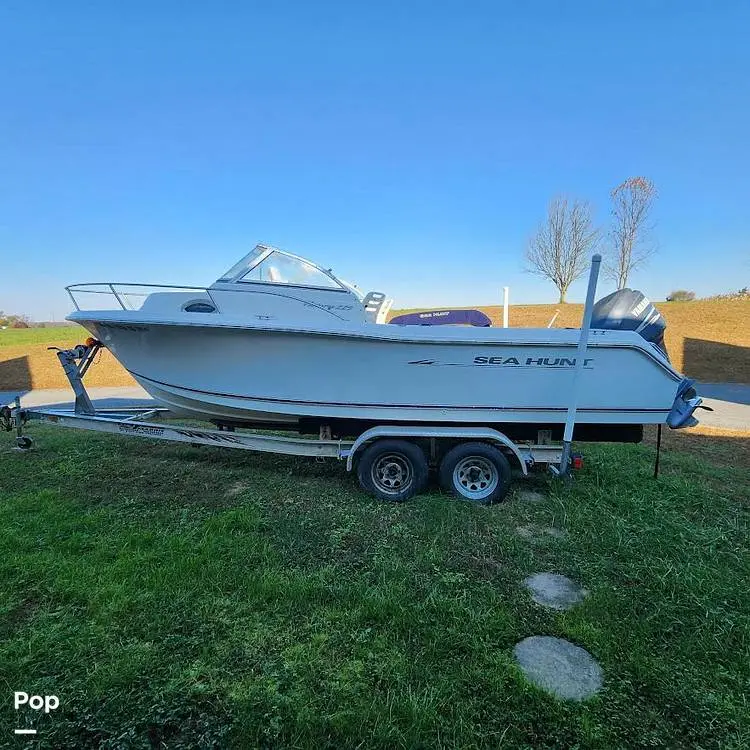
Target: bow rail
column 126, row 296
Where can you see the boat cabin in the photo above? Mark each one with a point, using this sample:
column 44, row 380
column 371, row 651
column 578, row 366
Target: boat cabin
column 269, row 284
column 293, row 284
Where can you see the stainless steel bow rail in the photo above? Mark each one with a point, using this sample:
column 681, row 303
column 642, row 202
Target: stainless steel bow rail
column 389, row 476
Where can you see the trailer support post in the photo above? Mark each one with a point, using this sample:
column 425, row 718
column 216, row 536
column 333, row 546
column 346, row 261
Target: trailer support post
column 583, row 341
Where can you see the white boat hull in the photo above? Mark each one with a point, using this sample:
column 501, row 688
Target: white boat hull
column 388, row 374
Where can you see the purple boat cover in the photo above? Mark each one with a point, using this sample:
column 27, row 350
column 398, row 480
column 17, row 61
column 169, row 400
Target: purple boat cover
column 443, row 318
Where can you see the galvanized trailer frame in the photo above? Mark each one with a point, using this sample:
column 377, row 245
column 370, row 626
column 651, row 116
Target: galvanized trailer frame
column 150, row 423
column 154, row 423
column 397, row 479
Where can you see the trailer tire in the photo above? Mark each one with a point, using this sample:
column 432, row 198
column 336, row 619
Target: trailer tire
column 393, row 470
column 476, row 472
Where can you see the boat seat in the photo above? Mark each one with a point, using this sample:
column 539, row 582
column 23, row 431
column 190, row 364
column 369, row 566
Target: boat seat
column 443, row 318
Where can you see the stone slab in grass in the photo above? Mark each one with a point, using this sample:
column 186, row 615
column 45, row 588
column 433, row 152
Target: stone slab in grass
column 567, row 671
column 555, row 591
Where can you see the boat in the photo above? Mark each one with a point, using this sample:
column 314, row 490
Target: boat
column 279, row 341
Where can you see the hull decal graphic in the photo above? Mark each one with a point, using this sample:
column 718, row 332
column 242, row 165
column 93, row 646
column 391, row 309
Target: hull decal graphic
column 529, row 363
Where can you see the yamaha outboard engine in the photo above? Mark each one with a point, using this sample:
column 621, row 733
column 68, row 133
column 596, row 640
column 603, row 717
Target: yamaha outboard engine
column 630, row 310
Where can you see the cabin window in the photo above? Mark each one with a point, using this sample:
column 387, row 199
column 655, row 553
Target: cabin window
column 199, row 307
column 278, row 268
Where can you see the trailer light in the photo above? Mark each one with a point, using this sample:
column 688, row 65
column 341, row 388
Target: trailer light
column 577, row 462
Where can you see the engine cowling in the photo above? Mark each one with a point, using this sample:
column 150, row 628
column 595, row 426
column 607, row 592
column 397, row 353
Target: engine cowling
column 630, row 310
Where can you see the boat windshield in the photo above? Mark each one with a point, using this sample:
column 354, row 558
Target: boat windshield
column 247, row 262
column 271, row 266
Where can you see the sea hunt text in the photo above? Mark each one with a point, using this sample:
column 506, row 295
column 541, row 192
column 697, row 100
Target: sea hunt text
column 531, row 361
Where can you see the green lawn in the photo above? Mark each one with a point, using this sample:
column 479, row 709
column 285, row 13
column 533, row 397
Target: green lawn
column 51, row 336
column 198, row 598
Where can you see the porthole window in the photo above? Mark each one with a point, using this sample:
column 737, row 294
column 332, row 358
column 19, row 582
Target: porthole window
column 199, row 307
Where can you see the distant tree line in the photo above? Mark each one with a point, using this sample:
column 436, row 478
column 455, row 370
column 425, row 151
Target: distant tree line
column 561, row 246
column 743, row 294
column 14, row 321
column 683, row 295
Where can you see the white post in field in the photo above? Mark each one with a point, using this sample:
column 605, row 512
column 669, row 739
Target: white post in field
column 505, row 306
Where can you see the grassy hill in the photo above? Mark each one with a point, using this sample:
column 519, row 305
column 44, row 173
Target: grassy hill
column 706, row 339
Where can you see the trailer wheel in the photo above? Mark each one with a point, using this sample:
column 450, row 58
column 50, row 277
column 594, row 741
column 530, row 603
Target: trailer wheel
column 393, row 470
column 476, row 472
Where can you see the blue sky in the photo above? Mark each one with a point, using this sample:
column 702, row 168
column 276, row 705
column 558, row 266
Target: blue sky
column 412, row 146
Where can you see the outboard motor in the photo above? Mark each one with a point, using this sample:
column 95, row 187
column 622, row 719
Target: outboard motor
column 630, row 310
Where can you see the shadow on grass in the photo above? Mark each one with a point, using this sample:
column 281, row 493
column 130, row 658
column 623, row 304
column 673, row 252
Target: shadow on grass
column 704, row 359
column 728, row 449
column 15, row 374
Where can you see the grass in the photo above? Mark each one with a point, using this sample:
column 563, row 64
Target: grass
column 198, row 598
column 707, row 339
column 47, row 336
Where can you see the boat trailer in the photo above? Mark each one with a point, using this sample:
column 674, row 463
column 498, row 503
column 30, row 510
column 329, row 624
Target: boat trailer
column 392, row 460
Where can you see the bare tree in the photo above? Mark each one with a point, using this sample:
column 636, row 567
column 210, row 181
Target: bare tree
column 560, row 249
column 630, row 245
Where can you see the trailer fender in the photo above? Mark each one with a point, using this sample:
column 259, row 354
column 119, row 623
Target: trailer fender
column 468, row 433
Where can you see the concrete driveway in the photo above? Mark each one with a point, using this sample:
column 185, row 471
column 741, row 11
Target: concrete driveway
column 103, row 398
column 730, row 403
